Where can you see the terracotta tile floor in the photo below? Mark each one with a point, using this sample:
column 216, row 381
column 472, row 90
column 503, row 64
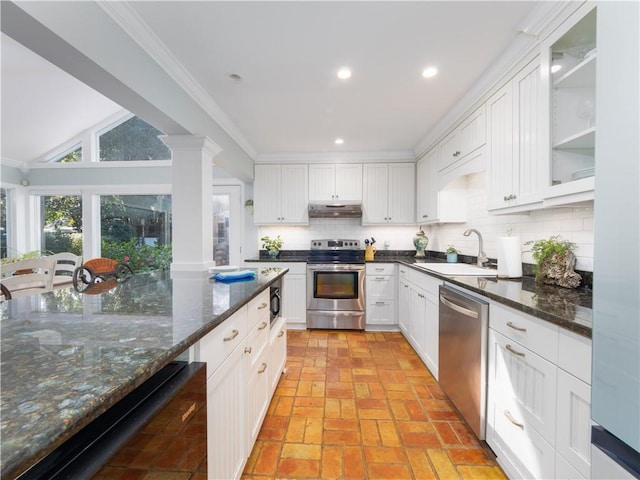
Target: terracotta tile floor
column 363, row 406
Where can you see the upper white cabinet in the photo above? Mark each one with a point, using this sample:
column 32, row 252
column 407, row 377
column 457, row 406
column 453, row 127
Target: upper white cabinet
column 339, row 182
column 569, row 73
column 516, row 166
column 388, row 193
column 435, row 205
column 281, row 194
column 461, row 144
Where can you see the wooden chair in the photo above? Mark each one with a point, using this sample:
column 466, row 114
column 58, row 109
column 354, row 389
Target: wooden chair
column 66, row 263
column 27, row 277
column 99, row 270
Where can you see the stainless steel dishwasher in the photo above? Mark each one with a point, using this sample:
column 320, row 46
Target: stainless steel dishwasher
column 462, row 360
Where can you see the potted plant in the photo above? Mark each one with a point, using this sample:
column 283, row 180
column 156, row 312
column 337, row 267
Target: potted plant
column 452, row 254
column 272, row 245
column 554, row 262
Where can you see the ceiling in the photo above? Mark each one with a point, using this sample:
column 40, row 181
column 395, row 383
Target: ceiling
column 289, row 100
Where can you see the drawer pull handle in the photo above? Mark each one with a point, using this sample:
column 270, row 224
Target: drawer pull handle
column 513, row 420
column 380, row 279
column 263, row 367
column 379, row 303
column 281, row 334
column 515, row 352
column 515, row 327
column 234, row 334
column 247, row 349
column 379, row 269
column 264, row 305
column 263, row 325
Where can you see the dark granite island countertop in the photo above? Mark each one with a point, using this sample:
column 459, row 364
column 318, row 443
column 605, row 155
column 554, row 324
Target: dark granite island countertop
column 66, row 357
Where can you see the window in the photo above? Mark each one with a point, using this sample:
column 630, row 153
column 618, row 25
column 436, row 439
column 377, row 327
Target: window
column 137, row 229
column 61, row 223
column 75, row 155
column 133, row 139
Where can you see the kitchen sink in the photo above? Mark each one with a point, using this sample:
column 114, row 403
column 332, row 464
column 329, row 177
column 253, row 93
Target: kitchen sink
column 457, row 269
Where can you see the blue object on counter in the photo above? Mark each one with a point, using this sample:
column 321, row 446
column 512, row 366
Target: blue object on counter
column 229, row 277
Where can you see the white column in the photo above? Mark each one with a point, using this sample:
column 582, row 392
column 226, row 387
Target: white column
column 192, row 178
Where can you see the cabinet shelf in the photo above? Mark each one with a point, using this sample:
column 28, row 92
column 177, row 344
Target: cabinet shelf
column 581, row 140
column 581, row 76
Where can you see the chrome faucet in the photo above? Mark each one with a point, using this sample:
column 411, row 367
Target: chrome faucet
column 482, row 257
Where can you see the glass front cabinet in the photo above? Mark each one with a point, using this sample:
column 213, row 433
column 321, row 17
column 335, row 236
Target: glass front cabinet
column 568, row 62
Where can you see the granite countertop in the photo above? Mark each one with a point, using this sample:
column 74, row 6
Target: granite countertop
column 67, row 357
column 568, row 308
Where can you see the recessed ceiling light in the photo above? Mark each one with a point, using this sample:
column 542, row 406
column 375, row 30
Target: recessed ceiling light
column 429, row 72
column 556, row 68
column 344, row 73
column 234, row 76
column 339, row 141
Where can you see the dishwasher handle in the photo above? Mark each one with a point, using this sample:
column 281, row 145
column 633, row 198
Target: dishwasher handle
column 458, row 308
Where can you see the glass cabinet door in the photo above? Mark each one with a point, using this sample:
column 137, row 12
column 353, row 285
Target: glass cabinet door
column 569, row 57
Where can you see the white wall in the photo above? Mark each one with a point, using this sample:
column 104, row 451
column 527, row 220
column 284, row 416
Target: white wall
column 571, row 223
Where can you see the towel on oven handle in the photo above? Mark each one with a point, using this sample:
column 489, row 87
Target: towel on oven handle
column 235, row 276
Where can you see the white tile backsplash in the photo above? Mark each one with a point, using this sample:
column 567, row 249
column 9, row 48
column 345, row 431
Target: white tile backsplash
column 571, row 223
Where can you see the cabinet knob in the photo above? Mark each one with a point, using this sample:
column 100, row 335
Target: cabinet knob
column 506, row 197
column 247, row 350
column 425, row 216
column 281, row 334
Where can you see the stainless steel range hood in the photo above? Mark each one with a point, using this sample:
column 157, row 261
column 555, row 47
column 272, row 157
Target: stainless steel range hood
column 335, row 210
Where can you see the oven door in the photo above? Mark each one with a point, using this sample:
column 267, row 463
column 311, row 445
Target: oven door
column 335, row 287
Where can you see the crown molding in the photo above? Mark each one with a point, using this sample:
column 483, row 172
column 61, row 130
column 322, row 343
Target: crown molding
column 338, row 157
column 132, row 24
column 534, row 28
column 10, row 162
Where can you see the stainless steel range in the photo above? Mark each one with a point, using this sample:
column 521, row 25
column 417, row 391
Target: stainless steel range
column 335, row 285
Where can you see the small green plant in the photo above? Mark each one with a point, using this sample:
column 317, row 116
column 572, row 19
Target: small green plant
column 549, row 252
column 25, row 256
column 452, row 249
column 271, row 244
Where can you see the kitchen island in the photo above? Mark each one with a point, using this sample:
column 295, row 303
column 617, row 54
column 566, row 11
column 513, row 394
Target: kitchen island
column 67, row 356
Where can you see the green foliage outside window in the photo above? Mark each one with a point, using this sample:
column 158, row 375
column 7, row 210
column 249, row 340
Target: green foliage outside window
column 134, row 139
column 141, row 258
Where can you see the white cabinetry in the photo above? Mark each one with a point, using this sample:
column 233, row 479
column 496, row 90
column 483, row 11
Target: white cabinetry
column 226, row 440
column 516, row 172
column 388, row 193
column 244, row 360
column 433, row 204
column 380, row 295
column 257, row 366
column 464, row 143
column 335, row 182
column 294, row 292
column 570, row 93
column 538, row 415
column 281, row 194
column 418, row 314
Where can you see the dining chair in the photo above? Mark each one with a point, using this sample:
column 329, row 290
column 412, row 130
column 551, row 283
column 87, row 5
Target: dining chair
column 26, row 277
column 66, row 263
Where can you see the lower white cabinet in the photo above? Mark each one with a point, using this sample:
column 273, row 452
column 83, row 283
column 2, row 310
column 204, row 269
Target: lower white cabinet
column 418, row 314
column 380, row 294
column 294, row 292
column 538, row 409
column 226, row 445
column 245, row 356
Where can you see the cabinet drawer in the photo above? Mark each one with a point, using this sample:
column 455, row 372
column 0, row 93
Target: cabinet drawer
column 380, row 268
column 218, row 344
column 526, row 384
column 380, row 287
column 381, row 313
column 537, row 335
column 257, row 340
column 574, row 355
column 258, row 310
column 514, row 439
